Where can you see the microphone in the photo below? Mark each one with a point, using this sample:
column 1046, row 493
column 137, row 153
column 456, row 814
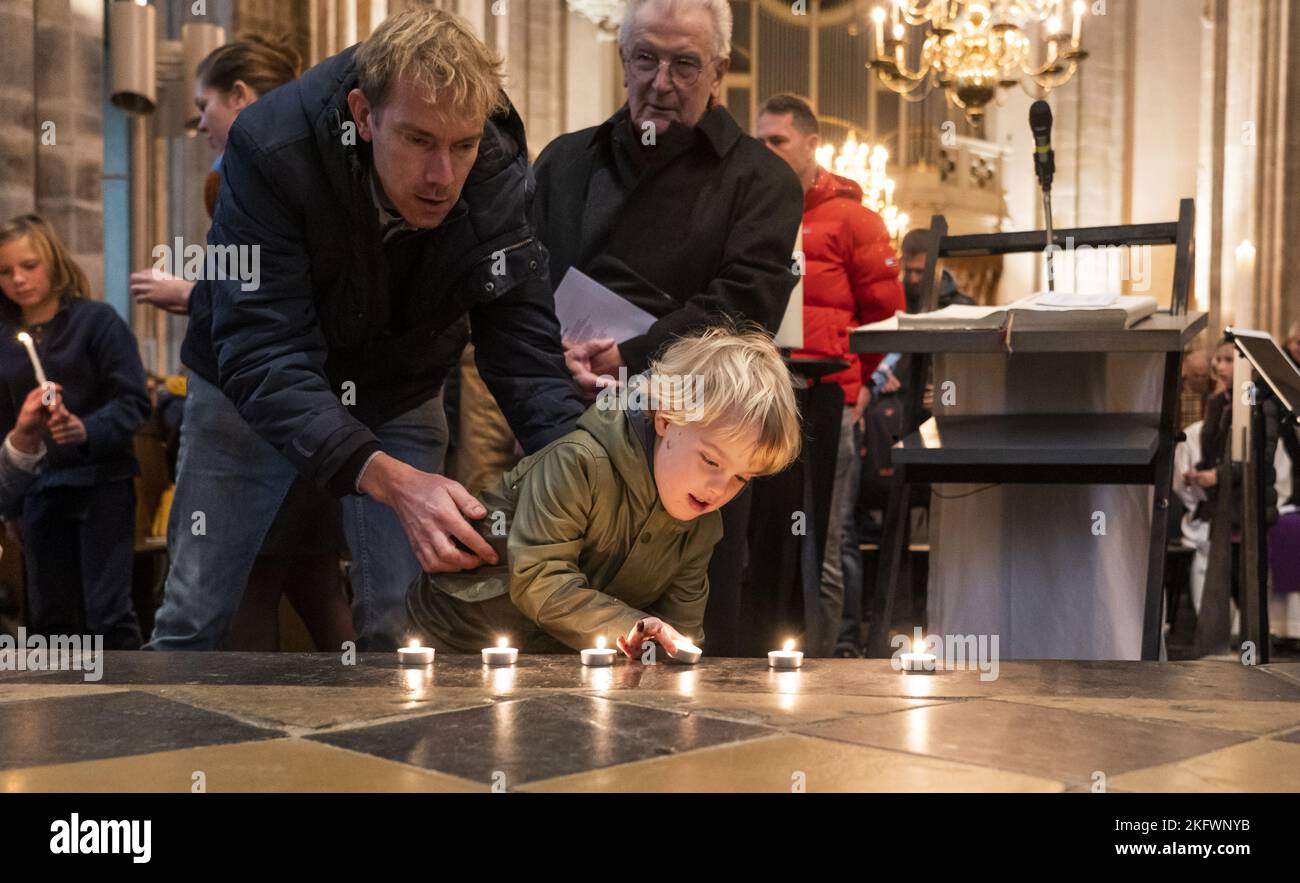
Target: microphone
column 1040, row 122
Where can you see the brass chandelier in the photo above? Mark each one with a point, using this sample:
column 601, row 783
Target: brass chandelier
column 972, row 48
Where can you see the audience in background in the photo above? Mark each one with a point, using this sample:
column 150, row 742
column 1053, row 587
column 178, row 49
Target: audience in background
column 850, row 279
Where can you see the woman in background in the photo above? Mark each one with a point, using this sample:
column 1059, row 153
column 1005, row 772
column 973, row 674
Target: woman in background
column 78, row 516
column 300, row 556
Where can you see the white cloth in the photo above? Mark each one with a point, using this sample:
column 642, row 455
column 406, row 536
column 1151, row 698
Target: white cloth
column 25, row 462
column 1022, row 561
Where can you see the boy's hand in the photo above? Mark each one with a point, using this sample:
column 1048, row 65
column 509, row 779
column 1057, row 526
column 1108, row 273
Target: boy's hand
column 34, row 418
column 653, row 628
column 66, row 428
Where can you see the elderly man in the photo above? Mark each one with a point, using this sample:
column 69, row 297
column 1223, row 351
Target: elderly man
column 672, row 206
column 387, row 192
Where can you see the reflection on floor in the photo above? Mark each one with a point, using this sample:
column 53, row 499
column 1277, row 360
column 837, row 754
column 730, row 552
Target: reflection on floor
column 307, row 722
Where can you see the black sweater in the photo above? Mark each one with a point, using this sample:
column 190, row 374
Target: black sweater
column 91, row 353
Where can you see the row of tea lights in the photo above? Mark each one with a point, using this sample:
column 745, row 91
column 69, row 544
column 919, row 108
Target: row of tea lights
column 503, row 654
column 784, row 659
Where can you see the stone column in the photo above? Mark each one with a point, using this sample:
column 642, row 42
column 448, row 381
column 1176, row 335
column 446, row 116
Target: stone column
column 51, row 122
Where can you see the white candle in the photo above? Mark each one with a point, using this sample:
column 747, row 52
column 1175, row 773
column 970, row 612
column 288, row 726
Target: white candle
column 1077, row 33
column 415, row 654
column 598, row 655
column 878, row 18
column 918, row 659
column 500, row 654
column 785, row 658
column 26, row 340
column 685, row 651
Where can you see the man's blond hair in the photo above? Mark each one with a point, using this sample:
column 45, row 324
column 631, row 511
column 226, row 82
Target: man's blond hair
column 440, row 53
column 741, row 385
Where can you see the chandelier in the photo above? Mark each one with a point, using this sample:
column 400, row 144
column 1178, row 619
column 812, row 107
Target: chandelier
column 606, row 15
column 972, row 48
column 865, row 165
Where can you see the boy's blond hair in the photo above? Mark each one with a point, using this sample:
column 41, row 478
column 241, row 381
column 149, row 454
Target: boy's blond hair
column 440, row 52
column 737, row 380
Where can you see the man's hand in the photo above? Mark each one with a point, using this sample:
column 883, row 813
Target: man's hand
column 860, row 407
column 163, row 290
column 927, row 398
column 34, row 417
column 432, row 509
column 586, row 361
column 66, row 428
column 892, row 383
column 607, row 360
column 652, row 628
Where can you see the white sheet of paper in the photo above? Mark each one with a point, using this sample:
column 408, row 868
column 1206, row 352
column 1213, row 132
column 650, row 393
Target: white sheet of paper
column 588, row 310
column 1073, row 299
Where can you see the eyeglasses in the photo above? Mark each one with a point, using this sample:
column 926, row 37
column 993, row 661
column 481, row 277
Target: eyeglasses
column 683, row 71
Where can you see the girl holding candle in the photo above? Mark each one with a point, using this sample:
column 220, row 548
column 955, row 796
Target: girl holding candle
column 609, row 529
column 78, row 514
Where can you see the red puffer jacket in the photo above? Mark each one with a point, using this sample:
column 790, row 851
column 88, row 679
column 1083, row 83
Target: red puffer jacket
column 850, row 276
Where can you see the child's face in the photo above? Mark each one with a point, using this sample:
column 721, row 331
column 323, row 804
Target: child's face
column 24, row 278
column 698, row 469
column 1224, row 357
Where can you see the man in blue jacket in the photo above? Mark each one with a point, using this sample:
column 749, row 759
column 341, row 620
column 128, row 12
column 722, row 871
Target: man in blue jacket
column 386, row 196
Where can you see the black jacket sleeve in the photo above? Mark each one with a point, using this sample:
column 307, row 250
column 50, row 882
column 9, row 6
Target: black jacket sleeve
column 111, row 427
column 757, row 268
column 518, row 353
column 268, row 341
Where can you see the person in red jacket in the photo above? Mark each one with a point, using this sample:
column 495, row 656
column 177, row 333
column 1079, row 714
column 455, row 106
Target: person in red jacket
column 850, row 278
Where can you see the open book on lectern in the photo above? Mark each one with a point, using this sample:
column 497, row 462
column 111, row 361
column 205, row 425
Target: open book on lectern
column 1043, row 311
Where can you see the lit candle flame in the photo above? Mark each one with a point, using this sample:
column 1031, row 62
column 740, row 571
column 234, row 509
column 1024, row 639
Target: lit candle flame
column 600, row 643
column 789, row 645
column 918, row 646
column 501, row 642
column 413, row 644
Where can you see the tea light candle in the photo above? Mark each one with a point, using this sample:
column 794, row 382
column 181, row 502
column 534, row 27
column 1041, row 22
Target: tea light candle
column 500, row 654
column 785, row 658
column 415, row 654
column 598, row 655
column 918, row 659
column 26, row 340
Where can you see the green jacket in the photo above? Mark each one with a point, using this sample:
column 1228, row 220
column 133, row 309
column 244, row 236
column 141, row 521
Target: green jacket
column 589, row 548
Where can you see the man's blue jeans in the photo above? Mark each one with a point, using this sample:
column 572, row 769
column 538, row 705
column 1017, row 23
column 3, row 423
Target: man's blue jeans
column 230, row 484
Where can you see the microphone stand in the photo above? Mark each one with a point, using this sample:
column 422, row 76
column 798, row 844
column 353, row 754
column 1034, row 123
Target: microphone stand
column 1047, row 213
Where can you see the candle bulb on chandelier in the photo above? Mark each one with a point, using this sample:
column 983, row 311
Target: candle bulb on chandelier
column 878, row 19
column 1077, row 33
